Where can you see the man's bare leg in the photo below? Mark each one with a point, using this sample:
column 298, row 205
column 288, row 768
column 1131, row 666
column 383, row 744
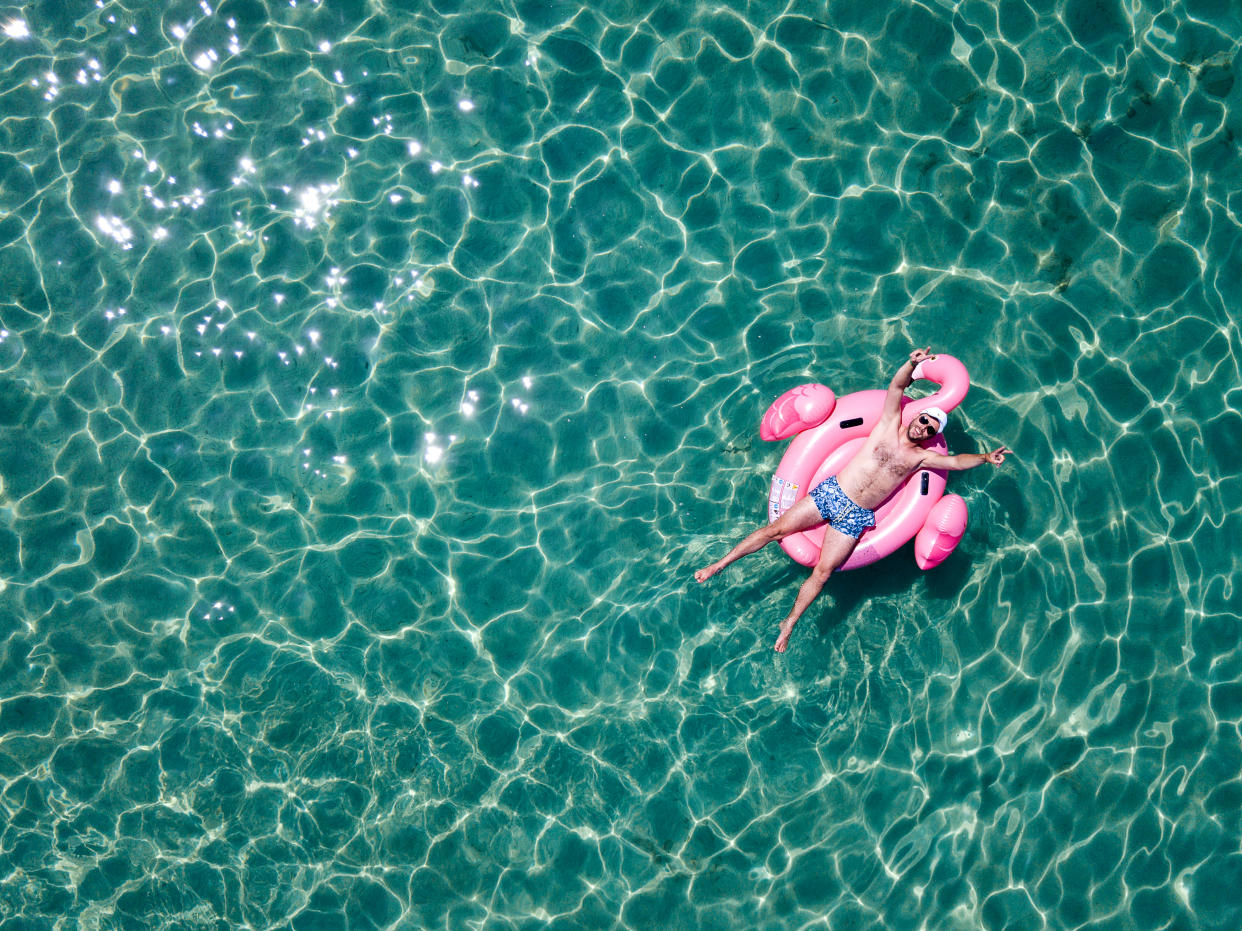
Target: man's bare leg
column 802, row 516
column 837, row 549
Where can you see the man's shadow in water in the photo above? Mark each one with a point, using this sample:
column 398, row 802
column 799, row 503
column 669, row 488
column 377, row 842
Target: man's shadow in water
column 846, row 591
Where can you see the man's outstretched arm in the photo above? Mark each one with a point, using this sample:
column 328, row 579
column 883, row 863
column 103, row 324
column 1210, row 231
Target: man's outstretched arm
column 964, row 461
column 903, row 380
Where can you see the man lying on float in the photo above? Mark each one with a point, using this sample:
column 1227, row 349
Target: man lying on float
column 845, row 501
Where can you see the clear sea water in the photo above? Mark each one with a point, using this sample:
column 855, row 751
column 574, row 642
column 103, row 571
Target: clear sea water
column 374, row 375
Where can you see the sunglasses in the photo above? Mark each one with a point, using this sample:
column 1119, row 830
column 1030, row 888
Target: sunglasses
column 925, row 421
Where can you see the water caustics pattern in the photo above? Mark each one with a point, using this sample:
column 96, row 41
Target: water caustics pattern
column 374, row 375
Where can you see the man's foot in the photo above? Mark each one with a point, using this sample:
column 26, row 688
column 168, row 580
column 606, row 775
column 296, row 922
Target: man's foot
column 783, row 640
column 704, row 574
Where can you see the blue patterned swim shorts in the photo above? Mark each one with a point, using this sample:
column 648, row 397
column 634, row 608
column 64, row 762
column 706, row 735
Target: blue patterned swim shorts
column 841, row 513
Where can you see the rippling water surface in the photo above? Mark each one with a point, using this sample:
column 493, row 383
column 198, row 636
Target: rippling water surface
column 373, row 376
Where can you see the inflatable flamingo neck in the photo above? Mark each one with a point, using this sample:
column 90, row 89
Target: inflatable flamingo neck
column 952, row 378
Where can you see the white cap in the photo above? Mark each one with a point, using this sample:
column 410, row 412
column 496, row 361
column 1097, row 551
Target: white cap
column 940, row 415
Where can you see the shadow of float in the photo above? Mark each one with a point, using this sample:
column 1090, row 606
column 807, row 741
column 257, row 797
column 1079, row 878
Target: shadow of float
column 889, row 577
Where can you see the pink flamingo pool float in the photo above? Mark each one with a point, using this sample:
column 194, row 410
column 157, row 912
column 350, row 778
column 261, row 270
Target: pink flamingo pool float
column 827, row 431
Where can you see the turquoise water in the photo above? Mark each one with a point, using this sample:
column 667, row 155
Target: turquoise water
column 373, row 377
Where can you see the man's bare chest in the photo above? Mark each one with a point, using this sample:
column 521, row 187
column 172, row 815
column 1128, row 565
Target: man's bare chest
column 892, row 461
